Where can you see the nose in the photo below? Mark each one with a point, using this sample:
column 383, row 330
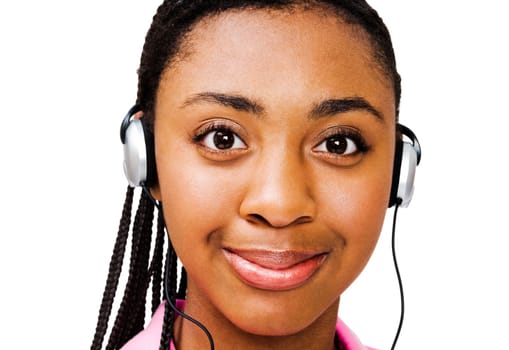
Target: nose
column 279, row 194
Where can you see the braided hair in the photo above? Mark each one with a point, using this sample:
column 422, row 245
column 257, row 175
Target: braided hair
column 163, row 45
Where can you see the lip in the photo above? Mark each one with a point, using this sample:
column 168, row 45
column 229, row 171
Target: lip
column 275, row 270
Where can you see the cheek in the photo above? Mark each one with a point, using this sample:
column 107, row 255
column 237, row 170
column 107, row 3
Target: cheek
column 354, row 208
column 358, row 198
column 364, row 203
column 196, row 198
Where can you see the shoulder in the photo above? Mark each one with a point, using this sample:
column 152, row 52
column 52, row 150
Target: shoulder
column 149, row 338
column 348, row 337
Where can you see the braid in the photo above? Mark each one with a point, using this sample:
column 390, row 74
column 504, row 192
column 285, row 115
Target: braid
column 183, row 284
column 130, row 316
column 156, row 265
column 169, row 313
column 115, row 269
column 142, row 269
column 167, row 330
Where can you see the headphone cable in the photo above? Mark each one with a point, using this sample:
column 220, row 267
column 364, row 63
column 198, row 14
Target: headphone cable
column 206, row 331
column 400, row 283
column 182, row 314
column 166, row 280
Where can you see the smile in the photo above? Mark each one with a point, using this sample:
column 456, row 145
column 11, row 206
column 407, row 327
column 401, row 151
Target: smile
column 274, row 270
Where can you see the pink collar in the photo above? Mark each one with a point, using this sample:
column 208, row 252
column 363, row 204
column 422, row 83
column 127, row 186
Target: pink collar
column 148, row 339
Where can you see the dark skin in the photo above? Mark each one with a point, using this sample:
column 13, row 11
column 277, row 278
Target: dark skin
column 259, row 146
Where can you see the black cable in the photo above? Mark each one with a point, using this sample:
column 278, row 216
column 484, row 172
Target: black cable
column 400, row 283
column 166, row 283
column 206, row 331
column 172, row 305
column 149, row 194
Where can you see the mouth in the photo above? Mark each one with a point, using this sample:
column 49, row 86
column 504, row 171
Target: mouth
column 274, row 270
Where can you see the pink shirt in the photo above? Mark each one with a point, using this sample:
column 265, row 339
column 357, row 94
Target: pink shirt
column 149, row 338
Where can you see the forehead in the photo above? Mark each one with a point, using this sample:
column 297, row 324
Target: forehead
column 284, row 51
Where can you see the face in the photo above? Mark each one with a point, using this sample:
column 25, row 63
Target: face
column 274, row 139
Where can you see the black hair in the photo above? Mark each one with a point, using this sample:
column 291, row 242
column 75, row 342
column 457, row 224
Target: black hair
column 164, row 40
column 130, row 317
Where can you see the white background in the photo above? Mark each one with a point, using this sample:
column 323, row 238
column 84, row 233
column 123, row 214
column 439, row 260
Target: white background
column 68, row 75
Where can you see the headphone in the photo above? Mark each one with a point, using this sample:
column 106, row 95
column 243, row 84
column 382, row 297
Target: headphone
column 139, row 156
column 406, row 158
column 140, row 165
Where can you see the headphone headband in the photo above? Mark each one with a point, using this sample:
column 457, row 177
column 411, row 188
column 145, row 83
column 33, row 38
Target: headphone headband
column 127, row 119
column 415, row 142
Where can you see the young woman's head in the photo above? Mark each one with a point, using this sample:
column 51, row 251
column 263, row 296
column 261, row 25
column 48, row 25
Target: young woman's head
column 274, row 131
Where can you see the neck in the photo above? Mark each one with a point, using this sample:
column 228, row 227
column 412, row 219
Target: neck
column 319, row 334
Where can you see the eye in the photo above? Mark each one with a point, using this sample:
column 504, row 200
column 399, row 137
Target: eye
column 221, row 139
column 339, row 145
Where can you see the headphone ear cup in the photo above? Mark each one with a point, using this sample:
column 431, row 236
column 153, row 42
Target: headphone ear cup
column 139, row 159
column 405, row 165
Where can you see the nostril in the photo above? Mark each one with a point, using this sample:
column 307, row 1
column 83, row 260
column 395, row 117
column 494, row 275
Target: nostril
column 257, row 218
column 303, row 220
column 260, row 219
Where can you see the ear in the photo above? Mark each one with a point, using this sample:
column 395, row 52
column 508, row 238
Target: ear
column 156, row 192
column 138, row 115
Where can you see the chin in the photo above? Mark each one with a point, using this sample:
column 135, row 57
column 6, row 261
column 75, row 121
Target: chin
column 280, row 314
column 274, row 327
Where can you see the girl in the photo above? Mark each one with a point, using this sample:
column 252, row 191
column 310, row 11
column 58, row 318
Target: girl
column 265, row 133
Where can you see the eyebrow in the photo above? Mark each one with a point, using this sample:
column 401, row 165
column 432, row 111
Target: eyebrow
column 337, row 106
column 237, row 102
column 325, row 108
